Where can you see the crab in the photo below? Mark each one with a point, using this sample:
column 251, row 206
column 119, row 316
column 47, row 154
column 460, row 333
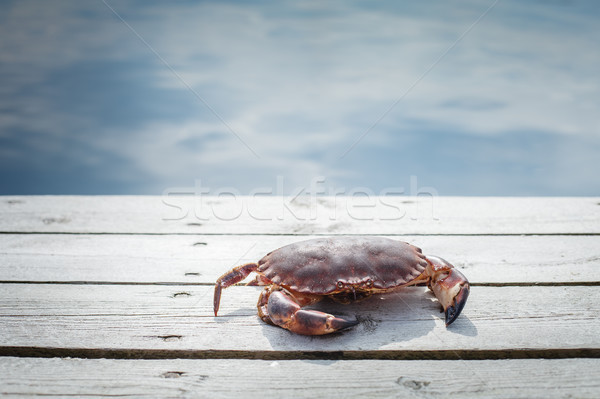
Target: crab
column 346, row 269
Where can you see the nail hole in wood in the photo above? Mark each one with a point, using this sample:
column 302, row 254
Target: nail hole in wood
column 170, row 338
column 412, row 384
column 172, row 374
column 55, row 220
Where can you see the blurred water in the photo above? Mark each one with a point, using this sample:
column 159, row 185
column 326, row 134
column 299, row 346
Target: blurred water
column 137, row 97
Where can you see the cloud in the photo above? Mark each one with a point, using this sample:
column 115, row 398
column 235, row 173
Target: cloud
column 298, row 83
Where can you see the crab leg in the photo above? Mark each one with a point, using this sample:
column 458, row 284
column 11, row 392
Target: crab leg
column 233, row 276
column 284, row 311
column 450, row 286
column 259, row 280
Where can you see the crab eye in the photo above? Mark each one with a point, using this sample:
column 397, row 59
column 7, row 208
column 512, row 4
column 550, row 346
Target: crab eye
column 369, row 283
column 340, row 284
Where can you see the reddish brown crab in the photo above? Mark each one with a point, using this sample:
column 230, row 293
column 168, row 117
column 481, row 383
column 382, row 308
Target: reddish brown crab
column 345, row 269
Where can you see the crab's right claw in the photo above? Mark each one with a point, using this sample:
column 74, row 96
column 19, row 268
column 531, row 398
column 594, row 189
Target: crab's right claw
column 454, row 309
column 450, row 287
column 285, row 312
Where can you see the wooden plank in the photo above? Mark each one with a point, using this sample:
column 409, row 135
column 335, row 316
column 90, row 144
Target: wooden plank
column 300, row 215
column 201, row 259
column 180, row 318
column 302, row 379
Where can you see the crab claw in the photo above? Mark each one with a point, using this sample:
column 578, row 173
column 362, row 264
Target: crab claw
column 460, row 299
column 450, row 287
column 286, row 313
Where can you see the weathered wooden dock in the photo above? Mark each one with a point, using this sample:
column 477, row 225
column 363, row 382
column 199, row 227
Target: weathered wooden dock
column 112, row 296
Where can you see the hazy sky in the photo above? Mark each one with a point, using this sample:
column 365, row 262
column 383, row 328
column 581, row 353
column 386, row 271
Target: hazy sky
column 156, row 95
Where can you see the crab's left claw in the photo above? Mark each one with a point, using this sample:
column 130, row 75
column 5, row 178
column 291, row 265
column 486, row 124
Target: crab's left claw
column 285, row 312
column 450, row 287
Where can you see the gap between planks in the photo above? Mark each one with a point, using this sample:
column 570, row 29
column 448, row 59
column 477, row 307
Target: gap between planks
column 154, row 354
column 529, row 234
column 201, row 284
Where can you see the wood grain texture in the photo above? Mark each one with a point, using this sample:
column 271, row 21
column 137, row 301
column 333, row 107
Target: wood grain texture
column 202, row 259
column 180, row 318
column 300, row 215
column 121, row 242
column 529, row 378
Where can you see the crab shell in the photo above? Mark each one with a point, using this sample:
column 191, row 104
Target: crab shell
column 330, row 266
